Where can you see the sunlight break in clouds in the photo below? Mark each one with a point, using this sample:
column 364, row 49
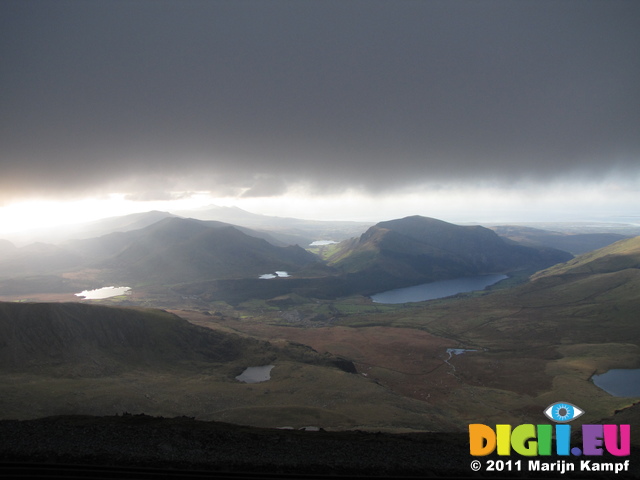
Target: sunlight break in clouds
column 612, row 198
column 40, row 214
column 487, row 202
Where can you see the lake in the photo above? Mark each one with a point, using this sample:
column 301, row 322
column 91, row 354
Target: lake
column 620, row 382
column 255, row 374
column 104, row 292
column 280, row 274
column 439, row 289
column 322, row 243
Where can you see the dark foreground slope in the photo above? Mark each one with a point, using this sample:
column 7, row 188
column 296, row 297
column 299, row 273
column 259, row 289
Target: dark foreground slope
column 133, row 446
column 183, row 443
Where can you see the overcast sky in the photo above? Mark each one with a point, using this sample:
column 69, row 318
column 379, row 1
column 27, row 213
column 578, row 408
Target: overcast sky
column 267, row 100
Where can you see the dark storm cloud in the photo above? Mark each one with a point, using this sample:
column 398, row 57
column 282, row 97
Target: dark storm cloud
column 221, row 95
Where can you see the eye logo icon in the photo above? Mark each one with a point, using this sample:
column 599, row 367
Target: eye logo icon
column 562, row 412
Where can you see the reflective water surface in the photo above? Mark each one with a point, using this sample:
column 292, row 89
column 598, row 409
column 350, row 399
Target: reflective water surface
column 256, row 374
column 104, row 292
column 620, row 382
column 440, row 289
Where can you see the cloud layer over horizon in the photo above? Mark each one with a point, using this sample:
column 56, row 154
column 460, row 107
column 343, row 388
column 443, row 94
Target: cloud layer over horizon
column 251, row 97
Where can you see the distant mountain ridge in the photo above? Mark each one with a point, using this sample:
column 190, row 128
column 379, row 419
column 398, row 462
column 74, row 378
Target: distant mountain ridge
column 290, row 230
column 617, row 257
column 6, row 248
column 171, row 250
column 575, row 243
column 91, row 229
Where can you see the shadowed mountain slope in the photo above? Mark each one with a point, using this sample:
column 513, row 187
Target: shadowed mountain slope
column 172, row 250
column 74, row 339
column 177, row 250
column 415, row 249
column 89, row 339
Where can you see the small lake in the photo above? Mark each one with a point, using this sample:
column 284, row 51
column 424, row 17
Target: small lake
column 256, row 374
column 277, row 274
column 322, row 243
column 440, row 289
column 104, row 292
column 621, row 382
column 458, row 351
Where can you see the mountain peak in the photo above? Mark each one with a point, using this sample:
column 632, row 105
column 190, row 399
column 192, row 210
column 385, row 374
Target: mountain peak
column 439, row 233
column 415, row 219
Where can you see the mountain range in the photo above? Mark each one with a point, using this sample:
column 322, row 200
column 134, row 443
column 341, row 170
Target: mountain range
column 221, row 261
